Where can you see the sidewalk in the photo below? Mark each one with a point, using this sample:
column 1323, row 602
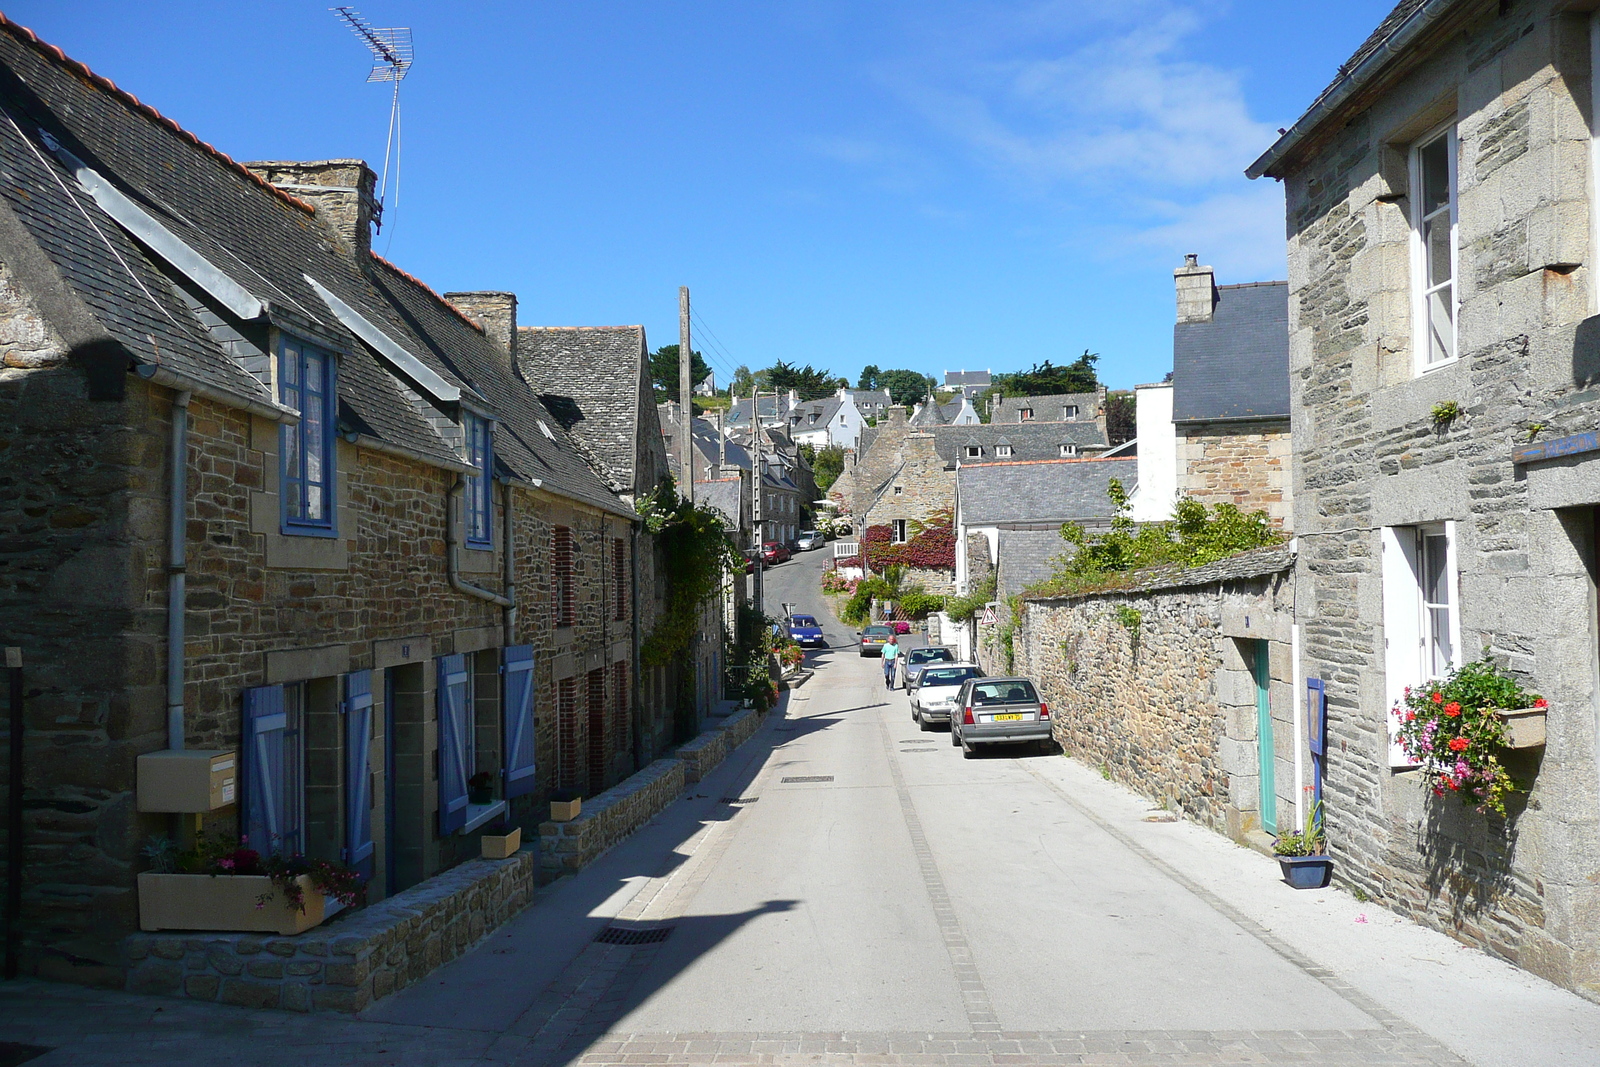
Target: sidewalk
column 1487, row 1011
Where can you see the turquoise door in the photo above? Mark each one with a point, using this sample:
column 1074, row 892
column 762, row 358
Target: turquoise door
column 1265, row 758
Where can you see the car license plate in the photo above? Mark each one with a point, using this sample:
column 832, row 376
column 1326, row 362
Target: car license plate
column 1008, row 718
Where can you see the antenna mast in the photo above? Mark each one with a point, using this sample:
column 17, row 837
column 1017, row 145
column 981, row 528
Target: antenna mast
column 392, row 55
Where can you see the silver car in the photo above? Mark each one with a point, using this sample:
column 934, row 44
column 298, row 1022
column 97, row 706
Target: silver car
column 995, row 711
column 937, row 690
column 808, row 540
column 911, row 664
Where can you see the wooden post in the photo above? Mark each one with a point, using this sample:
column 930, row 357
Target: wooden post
column 685, row 398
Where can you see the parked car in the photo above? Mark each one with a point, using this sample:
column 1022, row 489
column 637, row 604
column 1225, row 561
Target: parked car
column 912, row 662
column 805, row 631
column 775, row 552
column 993, row 711
column 873, row 638
column 937, row 690
column 810, row 539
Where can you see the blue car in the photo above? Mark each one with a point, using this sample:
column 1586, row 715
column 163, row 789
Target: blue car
column 805, row 631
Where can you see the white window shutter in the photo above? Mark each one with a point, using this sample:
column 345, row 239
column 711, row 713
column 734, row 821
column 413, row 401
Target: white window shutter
column 1402, row 628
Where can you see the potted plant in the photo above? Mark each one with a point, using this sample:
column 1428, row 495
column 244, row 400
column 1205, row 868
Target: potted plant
column 1455, row 729
column 217, row 885
column 501, row 841
column 480, row 788
column 565, row 805
column 1303, row 854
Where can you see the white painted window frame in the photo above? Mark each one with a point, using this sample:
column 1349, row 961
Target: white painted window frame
column 1419, row 264
column 1594, row 164
column 1406, row 621
column 898, row 529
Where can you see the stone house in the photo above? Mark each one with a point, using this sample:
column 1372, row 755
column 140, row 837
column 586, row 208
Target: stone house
column 1065, row 407
column 919, row 490
column 1442, row 317
column 268, row 495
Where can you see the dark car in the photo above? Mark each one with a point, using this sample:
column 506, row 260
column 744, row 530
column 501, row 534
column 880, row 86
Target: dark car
column 775, row 552
column 805, row 631
column 873, row 638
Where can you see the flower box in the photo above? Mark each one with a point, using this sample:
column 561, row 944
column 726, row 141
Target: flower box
column 1306, row 872
column 501, row 846
column 238, row 903
column 1524, row 727
column 565, row 810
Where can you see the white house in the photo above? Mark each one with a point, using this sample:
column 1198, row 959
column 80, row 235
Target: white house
column 833, row 420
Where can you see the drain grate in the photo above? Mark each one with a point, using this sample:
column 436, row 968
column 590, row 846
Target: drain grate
column 740, row 800
column 628, row 935
column 922, row 741
column 809, row 778
column 916, row 751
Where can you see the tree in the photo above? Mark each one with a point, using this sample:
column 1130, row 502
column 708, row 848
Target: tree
column 1120, row 423
column 869, row 377
column 743, row 381
column 826, row 466
column 906, row 387
column 807, row 382
column 664, row 371
column 1046, row 379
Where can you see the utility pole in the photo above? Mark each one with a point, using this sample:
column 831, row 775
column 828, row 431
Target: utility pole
column 685, row 397
column 755, row 491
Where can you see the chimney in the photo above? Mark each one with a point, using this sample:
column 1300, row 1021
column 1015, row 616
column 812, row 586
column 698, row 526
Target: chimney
column 897, row 415
column 1197, row 290
column 496, row 313
column 341, row 191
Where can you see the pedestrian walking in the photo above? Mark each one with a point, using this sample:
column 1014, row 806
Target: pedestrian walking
column 891, row 652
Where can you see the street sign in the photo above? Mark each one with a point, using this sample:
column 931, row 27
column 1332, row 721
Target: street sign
column 1561, row 446
column 989, row 616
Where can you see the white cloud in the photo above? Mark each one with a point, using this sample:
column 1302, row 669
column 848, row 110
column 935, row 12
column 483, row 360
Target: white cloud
column 1240, row 233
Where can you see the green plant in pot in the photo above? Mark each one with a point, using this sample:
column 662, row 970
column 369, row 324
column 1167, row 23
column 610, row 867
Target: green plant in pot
column 1303, row 854
column 480, row 788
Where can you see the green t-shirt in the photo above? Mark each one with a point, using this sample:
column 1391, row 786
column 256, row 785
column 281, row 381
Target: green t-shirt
column 891, row 651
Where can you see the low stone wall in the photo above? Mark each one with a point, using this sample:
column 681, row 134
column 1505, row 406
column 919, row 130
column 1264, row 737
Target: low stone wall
column 345, row 964
column 1150, row 684
column 712, row 747
column 568, row 847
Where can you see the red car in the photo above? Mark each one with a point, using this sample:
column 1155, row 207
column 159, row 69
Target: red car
column 774, row 552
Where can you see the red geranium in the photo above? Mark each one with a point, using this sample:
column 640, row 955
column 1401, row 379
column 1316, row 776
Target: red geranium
column 1459, row 744
column 1452, row 709
column 1437, row 698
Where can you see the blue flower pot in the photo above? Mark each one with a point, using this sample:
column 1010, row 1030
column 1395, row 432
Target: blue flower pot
column 1306, row 872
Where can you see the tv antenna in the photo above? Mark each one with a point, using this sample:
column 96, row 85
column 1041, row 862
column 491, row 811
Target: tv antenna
column 392, row 55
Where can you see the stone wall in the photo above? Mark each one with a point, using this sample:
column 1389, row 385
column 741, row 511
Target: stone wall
column 568, row 847
column 1244, row 464
column 347, row 963
column 1152, row 685
column 1369, row 455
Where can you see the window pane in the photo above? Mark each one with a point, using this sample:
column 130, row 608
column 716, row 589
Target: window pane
column 1434, row 159
column 1441, row 328
column 1442, row 654
column 313, row 373
column 289, row 367
column 1435, row 583
column 1437, row 243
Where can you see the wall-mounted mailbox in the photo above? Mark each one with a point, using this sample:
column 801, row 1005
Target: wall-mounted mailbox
column 188, row 780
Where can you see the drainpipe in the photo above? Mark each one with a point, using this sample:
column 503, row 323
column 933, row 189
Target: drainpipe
column 177, row 563
column 638, row 667
column 452, row 528
column 510, row 616
column 1298, row 705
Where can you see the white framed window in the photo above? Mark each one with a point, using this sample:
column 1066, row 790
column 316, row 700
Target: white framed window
column 1435, row 295
column 899, row 489
column 1421, row 613
column 974, row 451
column 1069, row 412
column 1003, row 451
column 1069, row 451
column 899, row 527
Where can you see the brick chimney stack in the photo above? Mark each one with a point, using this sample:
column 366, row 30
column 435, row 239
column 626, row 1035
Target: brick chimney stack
column 340, row 189
column 496, row 313
column 1197, row 290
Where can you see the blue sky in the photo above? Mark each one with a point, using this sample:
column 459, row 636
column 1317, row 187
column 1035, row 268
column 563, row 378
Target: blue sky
column 931, row 184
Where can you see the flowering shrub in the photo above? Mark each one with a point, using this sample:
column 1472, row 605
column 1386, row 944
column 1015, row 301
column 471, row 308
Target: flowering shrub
column 931, row 545
column 1449, row 727
column 217, row 856
column 834, row 582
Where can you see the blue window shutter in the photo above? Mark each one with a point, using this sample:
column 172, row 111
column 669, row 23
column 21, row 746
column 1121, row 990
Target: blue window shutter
column 262, row 821
column 518, row 705
column 357, row 771
column 454, row 722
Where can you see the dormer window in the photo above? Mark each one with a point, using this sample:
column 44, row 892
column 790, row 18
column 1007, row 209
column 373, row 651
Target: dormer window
column 974, row 451
column 306, row 383
column 1027, row 413
column 1069, row 451
column 1069, row 412
column 1003, row 451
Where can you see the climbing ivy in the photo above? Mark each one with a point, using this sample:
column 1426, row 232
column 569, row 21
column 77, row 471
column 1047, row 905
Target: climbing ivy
column 698, row 552
column 930, row 544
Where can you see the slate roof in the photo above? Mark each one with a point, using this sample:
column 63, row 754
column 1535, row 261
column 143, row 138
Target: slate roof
column 722, row 495
column 771, row 407
column 1042, row 491
column 1237, row 365
column 967, row 377
column 263, row 240
column 869, row 434
column 1256, row 563
column 1047, row 408
column 1026, row 557
column 876, row 399
column 1028, row 440
column 929, row 413
column 592, row 378
column 825, row 409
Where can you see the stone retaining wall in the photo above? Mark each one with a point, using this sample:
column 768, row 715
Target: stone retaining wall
column 712, row 747
column 343, row 965
column 568, row 847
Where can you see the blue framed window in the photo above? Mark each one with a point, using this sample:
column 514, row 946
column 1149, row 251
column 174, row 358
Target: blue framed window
column 481, row 456
column 306, row 383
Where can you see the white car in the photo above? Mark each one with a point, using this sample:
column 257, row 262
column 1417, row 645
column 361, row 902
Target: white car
column 936, row 691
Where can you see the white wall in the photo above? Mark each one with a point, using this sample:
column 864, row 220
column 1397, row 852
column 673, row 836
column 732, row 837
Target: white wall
column 1158, row 454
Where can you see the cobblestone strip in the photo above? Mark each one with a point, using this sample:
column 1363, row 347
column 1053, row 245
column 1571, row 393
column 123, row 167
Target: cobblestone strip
column 974, row 997
column 1414, row 1039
